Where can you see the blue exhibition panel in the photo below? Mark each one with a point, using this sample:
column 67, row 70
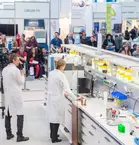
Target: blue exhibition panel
column 43, row 45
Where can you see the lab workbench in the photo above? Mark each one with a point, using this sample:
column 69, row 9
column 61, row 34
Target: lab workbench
column 93, row 129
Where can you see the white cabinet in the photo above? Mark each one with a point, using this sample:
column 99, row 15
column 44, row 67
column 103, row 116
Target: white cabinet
column 92, row 133
column 68, row 115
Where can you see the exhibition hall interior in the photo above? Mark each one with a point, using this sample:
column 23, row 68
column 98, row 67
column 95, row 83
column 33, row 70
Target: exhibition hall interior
column 69, row 72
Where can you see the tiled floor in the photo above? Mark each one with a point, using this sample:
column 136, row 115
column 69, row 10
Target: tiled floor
column 36, row 125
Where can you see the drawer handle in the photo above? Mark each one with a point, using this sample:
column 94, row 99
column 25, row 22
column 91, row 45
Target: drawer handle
column 93, row 127
column 83, row 133
column 83, row 117
column 107, row 139
column 70, row 105
column 91, row 133
column 69, row 112
column 82, row 124
column 83, row 141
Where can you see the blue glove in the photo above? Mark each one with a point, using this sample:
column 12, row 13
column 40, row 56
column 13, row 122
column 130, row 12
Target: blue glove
column 136, row 140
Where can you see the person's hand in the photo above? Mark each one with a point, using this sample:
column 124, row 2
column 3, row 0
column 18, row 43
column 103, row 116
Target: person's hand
column 22, row 72
column 20, row 62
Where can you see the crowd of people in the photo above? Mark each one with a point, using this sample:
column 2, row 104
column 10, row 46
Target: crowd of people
column 109, row 43
column 28, row 48
column 28, row 51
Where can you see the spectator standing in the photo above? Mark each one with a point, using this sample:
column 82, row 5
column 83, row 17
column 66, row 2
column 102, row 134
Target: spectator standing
column 109, row 43
column 133, row 33
column 93, row 41
column 127, row 34
column 56, row 43
column 94, row 35
column 136, row 52
column 118, row 42
column 69, row 39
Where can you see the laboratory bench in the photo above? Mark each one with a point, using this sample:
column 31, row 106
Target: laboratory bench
column 88, row 125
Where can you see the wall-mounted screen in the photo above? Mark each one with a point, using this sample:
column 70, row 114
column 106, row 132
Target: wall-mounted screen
column 8, row 29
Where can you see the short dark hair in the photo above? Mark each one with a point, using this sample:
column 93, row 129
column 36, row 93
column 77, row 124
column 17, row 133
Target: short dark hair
column 13, row 57
column 56, row 33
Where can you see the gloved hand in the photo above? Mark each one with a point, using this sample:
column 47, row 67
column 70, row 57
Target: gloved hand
column 136, row 140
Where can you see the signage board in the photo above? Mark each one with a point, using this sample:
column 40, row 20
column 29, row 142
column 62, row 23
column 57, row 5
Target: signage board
column 31, row 10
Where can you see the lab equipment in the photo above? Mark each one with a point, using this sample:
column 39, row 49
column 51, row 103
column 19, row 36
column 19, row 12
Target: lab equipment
column 119, row 98
column 121, row 128
column 85, row 85
column 134, row 126
column 136, row 140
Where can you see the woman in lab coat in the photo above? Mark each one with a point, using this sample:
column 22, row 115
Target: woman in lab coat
column 13, row 78
column 57, row 86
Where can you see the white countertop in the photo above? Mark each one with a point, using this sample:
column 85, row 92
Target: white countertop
column 94, row 108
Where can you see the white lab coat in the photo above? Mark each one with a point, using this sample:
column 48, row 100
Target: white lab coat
column 12, row 82
column 57, row 85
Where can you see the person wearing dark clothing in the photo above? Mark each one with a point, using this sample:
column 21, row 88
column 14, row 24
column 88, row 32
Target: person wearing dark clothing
column 136, row 52
column 133, row 48
column 109, row 43
column 93, row 41
column 118, row 42
column 43, row 61
column 69, row 39
column 31, row 43
column 84, row 39
column 133, row 33
column 127, row 34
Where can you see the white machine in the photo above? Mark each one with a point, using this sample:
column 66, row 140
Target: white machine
column 73, row 69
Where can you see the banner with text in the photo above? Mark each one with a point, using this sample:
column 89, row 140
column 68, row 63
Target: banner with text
column 31, row 10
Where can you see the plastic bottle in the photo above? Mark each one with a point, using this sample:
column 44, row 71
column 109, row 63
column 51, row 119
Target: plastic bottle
column 128, row 75
column 93, row 63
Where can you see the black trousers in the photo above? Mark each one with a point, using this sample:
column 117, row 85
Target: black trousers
column 20, row 121
column 54, row 131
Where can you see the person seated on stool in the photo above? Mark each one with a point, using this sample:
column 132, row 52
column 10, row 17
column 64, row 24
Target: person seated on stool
column 32, row 42
column 23, row 55
column 34, row 57
column 56, row 44
column 15, row 48
column 43, row 61
column 57, row 86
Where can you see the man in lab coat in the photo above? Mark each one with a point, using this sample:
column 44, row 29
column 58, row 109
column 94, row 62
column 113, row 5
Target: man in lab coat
column 13, row 78
column 57, row 85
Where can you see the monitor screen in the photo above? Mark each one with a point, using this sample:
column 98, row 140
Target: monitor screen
column 8, row 29
column 85, row 85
